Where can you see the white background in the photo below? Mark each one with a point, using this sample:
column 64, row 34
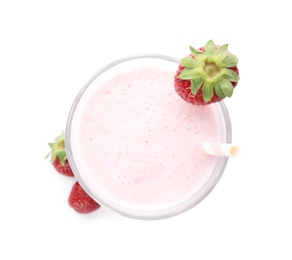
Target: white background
column 49, row 49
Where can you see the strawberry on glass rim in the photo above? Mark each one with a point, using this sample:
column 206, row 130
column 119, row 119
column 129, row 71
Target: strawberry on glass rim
column 207, row 75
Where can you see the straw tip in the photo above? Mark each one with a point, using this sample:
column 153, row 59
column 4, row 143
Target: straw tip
column 221, row 149
column 235, row 151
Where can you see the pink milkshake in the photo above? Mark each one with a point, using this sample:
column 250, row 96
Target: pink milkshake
column 136, row 146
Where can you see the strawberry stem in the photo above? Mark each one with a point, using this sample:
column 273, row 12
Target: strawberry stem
column 211, row 69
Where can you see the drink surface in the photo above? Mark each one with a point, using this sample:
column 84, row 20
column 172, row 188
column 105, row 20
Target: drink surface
column 137, row 144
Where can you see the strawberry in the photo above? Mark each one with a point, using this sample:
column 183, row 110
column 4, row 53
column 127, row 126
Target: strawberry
column 59, row 158
column 207, row 75
column 80, row 201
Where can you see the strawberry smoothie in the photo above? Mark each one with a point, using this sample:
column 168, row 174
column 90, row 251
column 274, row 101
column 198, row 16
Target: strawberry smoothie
column 135, row 145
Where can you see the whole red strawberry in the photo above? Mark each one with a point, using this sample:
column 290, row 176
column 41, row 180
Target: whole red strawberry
column 59, row 158
column 80, row 201
column 207, row 75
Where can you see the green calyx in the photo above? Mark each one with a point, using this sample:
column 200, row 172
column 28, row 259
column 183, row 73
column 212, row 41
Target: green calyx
column 58, row 149
column 210, row 70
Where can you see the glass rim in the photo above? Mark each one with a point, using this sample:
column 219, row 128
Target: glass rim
column 142, row 214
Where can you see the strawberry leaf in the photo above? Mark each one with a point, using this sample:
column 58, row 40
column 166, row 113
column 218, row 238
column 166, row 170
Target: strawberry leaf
column 197, row 54
column 218, row 91
column 210, row 48
column 187, row 73
column 196, row 85
column 226, row 87
column 208, row 91
column 230, row 75
column 58, row 149
column 229, row 61
column 222, row 51
column 62, row 157
column 188, row 62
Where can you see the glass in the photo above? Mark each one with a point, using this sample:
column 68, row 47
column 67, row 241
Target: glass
column 126, row 64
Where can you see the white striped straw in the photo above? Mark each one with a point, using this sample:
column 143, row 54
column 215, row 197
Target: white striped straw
column 221, row 149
